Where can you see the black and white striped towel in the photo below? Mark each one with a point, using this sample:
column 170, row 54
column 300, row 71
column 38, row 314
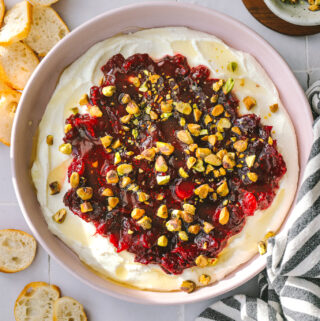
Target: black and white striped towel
column 290, row 285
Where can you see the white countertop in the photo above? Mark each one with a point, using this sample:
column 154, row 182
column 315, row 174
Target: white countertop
column 301, row 53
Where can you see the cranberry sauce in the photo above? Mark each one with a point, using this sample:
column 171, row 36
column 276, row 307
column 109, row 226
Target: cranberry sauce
column 169, row 170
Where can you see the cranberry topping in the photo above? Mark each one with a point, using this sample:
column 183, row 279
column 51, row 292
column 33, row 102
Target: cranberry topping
column 169, row 170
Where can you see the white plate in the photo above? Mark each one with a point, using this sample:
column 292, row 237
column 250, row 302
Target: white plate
column 298, row 14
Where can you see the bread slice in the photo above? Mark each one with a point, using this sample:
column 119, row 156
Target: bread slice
column 17, row 250
column 17, row 62
column 9, row 100
column 66, row 309
column 43, row 2
column 17, row 22
column 2, row 11
column 46, row 30
column 35, row 302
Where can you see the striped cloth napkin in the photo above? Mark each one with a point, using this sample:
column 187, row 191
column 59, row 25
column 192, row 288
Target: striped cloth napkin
column 290, row 285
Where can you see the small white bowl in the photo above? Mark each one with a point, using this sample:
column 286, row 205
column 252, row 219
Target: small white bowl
column 42, row 84
column 298, row 14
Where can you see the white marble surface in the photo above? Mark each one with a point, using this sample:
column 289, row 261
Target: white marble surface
column 301, row 53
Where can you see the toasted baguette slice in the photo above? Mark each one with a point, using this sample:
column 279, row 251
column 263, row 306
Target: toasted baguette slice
column 67, row 308
column 35, row 302
column 46, row 30
column 43, row 2
column 17, row 62
column 17, row 23
column 17, row 250
column 9, row 100
column 2, row 11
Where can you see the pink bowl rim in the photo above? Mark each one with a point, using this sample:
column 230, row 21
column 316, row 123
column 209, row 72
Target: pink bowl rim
column 180, row 298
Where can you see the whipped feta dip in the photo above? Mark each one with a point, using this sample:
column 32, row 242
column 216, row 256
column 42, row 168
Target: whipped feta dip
column 50, row 165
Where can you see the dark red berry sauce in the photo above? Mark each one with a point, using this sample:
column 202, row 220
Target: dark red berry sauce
column 149, row 83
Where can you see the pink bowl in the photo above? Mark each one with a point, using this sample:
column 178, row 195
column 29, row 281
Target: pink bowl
column 42, row 84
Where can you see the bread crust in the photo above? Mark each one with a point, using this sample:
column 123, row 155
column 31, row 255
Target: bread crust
column 4, row 269
column 33, row 285
column 2, row 11
column 24, row 32
column 39, row 3
column 55, row 306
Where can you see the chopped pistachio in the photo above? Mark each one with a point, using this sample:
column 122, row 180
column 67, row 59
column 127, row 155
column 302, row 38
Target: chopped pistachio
column 67, row 128
column 163, row 180
column 217, row 110
column 250, row 160
column 135, row 133
column 209, row 169
column 54, row 188
column 183, row 236
column 252, row 176
column 106, row 141
column 221, row 153
column 174, row 225
column 107, row 192
column 153, row 115
column 192, row 147
column 162, row 241
column 207, row 227
column 166, row 107
column 270, row 141
column 249, row 102
column 65, row 148
column 144, row 87
column 213, row 159
column 137, row 213
column 108, row 91
column 212, row 139
column 85, row 193
column 143, row 197
column 160, row 164
column 162, row 211
column 191, row 161
column 49, row 140
column 132, row 108
column 203, row 190
column 125, row 119
column 125, row 99
column 236, row 130
column 217, row 85
column 204, row 279
column 116, row 144
column 202, row 152
column 154, row 78
column 228, row 162
column 84, row 100
column 274, row 108
column 74, row 180
column 203, row 132
column 165, row 148
column 183, row 173
column 183, row 108
column 223, row 189
column 189, row 208
column 184, row 136
column 124, row 169
column 135, row 81
column 207, row 119
column 60, row 216
column 194, row 229
column 194, row 129
column 148, row 154
column 228, row 86
column 224, row 216
column 125, row 181
column 95, row 111
column 223, row 123
column 113, row 201
column 112, row 177
column 232, row 66
column 145, row 222
column 187, row 217
column 86, row 207
column 187, row 286
column 201, row 261
column 117, row 158
column 199, row 166
column 240, row 145
column 262, row 248
column 182, row 121
column 197, row 114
